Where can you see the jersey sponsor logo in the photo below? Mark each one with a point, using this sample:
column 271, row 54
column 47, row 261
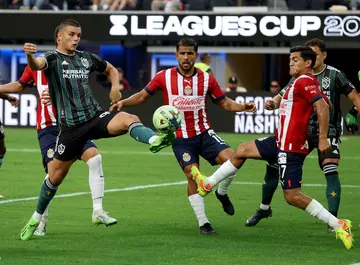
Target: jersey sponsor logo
column 85, row 62
column 188, row 103
column 75, row 74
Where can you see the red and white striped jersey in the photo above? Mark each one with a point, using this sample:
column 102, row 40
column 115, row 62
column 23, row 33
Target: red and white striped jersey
column 295, row 110
column 46, row 115
column 189, row 95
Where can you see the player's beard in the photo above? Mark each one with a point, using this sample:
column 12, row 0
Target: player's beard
column 187, row 69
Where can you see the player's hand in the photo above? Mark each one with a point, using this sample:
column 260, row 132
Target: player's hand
column 115, row 94
column 324, row 146
column 351, row 123
column 45, row 97
column 30, row 48
column 270, row 104
column 250, row 107
column 13, row 101
column 116, row 106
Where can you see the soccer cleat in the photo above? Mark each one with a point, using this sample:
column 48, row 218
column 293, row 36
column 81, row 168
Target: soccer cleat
column 226, row 203
column 29, row 229
column 258, row 215
column 41, row 229
column 202, row 189
column 162, row 141
column 330, row 229
column 344, row 233
column 207, row 229
column 103, row 218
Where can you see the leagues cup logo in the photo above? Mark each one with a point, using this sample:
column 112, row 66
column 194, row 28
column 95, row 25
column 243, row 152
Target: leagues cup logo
column 85, row 62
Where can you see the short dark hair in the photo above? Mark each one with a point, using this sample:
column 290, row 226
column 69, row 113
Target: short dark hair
column 187, row 43
column 306, row 53
column 55, row 34
column 317, row 43
column 64, row 23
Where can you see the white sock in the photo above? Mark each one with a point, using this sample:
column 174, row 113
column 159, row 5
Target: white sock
column 224, row 171
column 96, row 182
column 317, row 210
column 197, row 203
column 264, row 207
column 37, row 216
column 152, row 139
column 224, row 185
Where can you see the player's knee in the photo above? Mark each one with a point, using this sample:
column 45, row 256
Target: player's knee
column 131, row 118
column 241, row 151
column 330, row 168
column 89, row 154
column 292, row 197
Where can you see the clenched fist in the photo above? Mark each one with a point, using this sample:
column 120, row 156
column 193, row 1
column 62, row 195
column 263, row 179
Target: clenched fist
column 30, row 48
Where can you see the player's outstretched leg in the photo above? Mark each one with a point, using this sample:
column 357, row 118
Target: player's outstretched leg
column 222, row 196
column 269, row 186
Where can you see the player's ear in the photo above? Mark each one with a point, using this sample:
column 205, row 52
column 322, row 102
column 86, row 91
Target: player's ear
column 324, row 55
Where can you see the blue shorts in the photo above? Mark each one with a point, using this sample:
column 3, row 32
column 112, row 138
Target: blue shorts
column 268, row 149
column 207, row 145
column 47, row 141
column 290, row 165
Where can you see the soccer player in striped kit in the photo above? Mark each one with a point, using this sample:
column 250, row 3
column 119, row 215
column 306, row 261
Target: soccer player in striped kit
column 188, row 89
column 79, row 115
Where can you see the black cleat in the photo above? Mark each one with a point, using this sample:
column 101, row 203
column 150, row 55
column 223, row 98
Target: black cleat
column 258, row 215
column 226, row 203
column 207, row 229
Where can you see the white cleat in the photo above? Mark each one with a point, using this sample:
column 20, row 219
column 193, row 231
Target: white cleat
column 103, row 218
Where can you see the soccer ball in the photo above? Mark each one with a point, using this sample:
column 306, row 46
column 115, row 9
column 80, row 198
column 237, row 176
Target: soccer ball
column 167, row 119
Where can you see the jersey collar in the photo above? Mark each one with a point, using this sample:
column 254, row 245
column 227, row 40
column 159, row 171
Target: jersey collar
column 195, row 72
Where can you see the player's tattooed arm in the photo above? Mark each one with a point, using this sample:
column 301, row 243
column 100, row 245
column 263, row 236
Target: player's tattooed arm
column 13, row 87
column 230, row 105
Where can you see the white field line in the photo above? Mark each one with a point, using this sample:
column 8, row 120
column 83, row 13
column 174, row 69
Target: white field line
column 136, row 153
column 151, row 186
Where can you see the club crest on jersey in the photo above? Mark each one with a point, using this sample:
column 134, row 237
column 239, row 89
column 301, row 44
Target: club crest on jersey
column 188, row 90
column 50, row 153
column 186, row 157
column 325, row 82
column 85, row 62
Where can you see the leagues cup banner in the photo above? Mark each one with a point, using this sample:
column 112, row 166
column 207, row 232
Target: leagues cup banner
column 145, row 26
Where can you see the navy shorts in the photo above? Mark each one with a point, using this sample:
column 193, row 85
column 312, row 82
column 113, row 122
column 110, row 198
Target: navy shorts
column 268, row 149
column 207, row 145
column 47, row 140
column 290, row 166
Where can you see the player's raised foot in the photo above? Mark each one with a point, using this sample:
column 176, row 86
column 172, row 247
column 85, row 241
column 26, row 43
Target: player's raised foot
column 103, row 218
column 344, row 233
column 257, row 216
column 29, row 229
column 41, row 229
column 163, row 140
column 226, row 203
column 203, row 189
column 207, row 229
